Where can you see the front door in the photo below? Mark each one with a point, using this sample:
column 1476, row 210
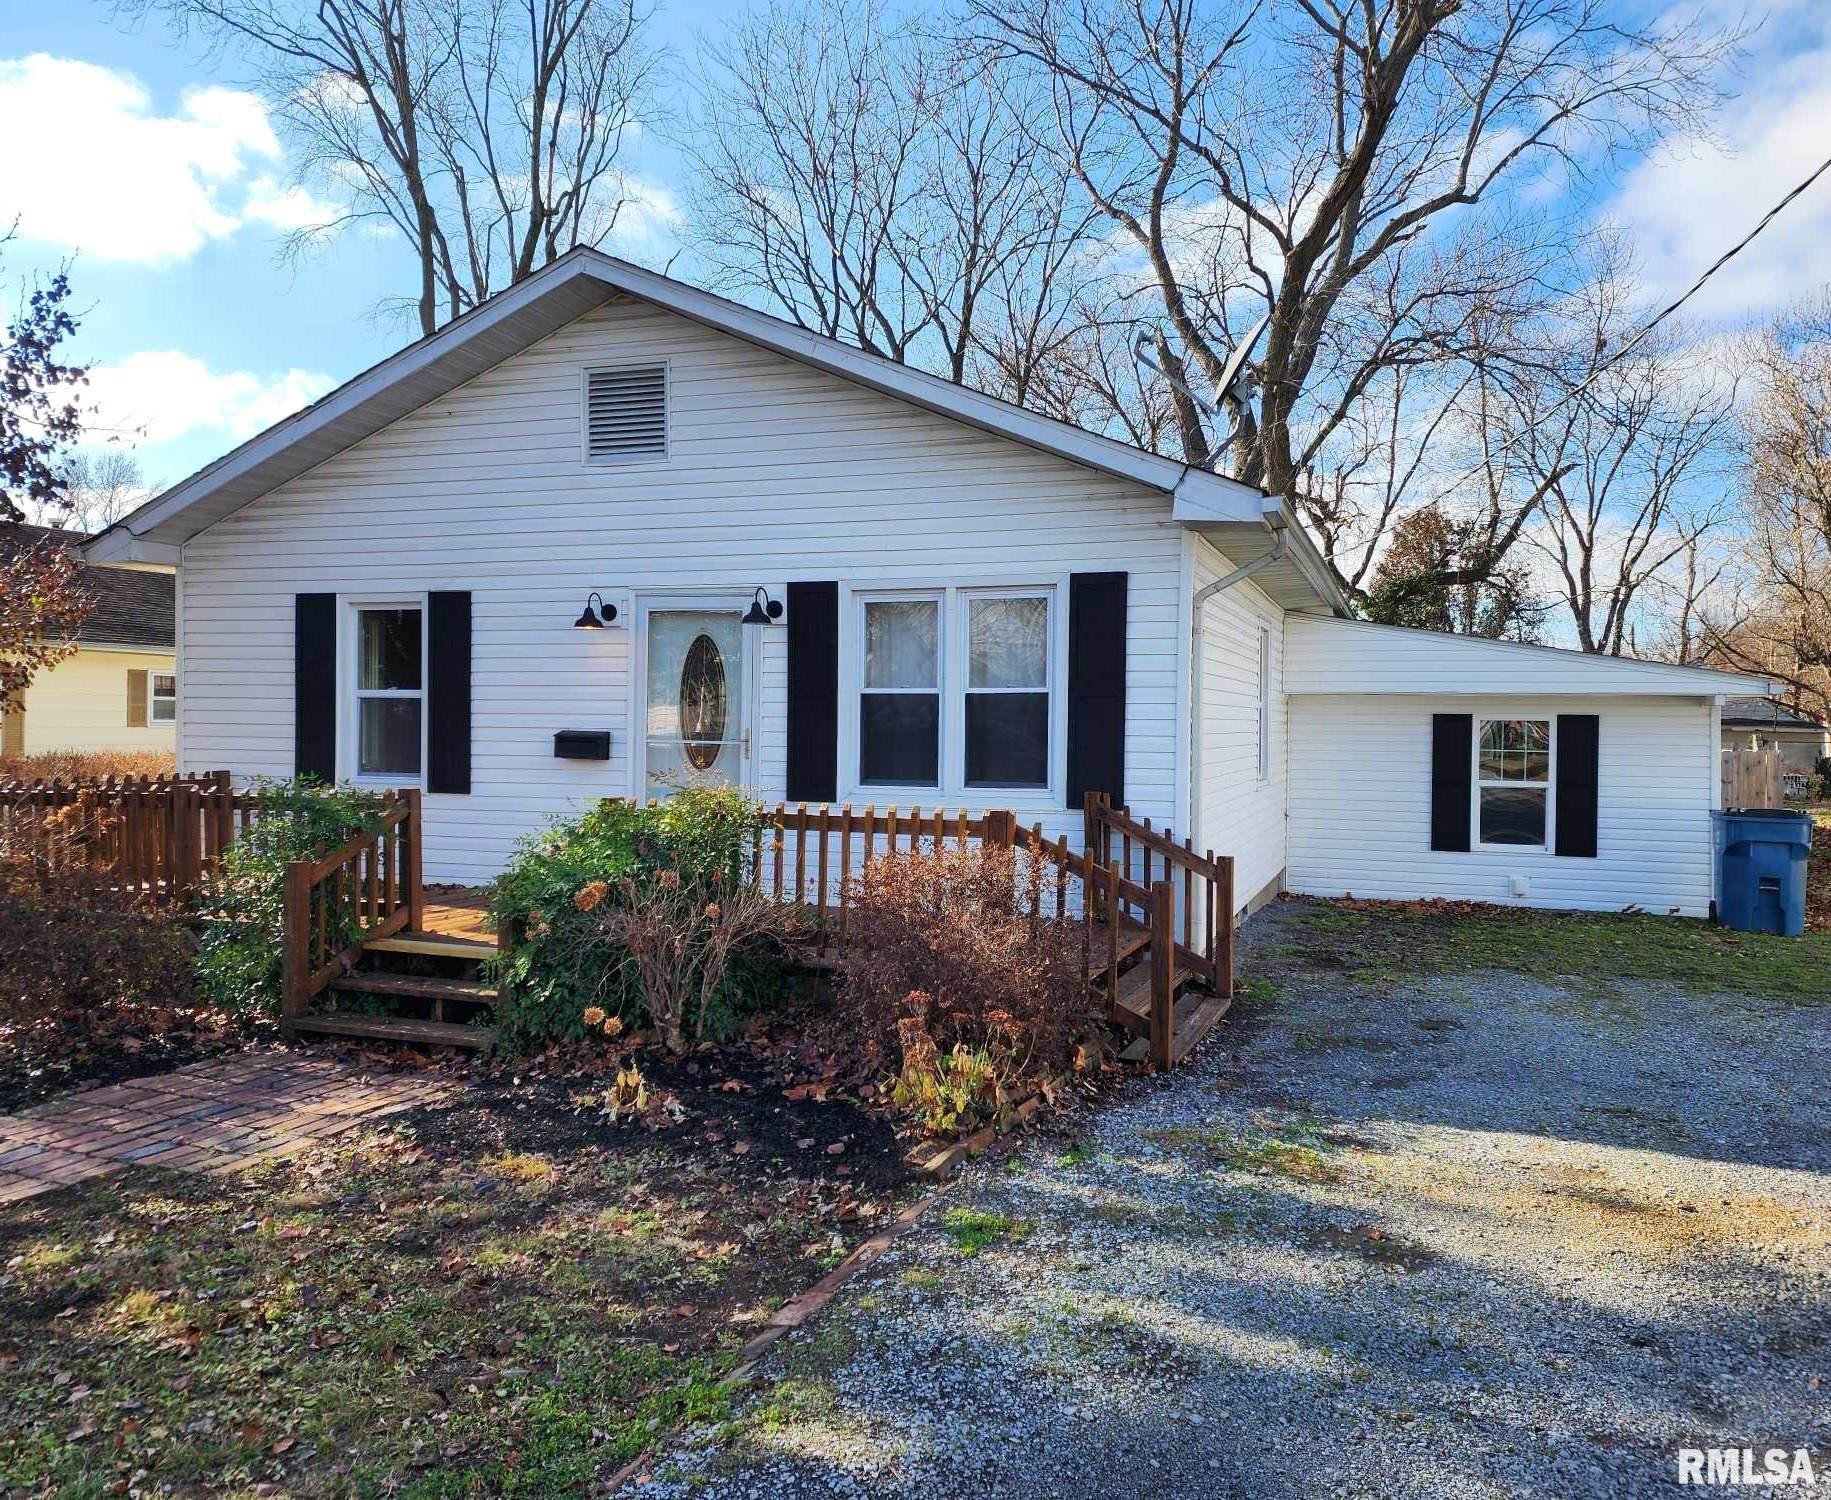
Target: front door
column 697, row 720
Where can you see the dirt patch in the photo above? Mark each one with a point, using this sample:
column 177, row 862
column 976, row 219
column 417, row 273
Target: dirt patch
column 1378, row 1246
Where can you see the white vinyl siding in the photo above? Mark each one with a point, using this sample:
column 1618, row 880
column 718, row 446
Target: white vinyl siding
column 1242, row 808
column 1360, row 767
column 775, row 472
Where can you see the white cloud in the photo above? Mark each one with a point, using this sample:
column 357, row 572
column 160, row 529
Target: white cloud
column 1686, row 206
column 163, row 395
column 126, row 183
column 286, row 207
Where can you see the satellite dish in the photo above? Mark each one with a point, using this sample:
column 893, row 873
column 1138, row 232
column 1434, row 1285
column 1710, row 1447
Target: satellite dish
column 1235, row 387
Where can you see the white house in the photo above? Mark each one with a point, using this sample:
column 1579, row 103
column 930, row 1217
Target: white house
column 967, row 605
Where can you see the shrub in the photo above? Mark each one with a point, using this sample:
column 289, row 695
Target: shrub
column 1822, row 776
column 239, row 966
column 87, row 765
column 591, row 924
column 74, row 951
column 961, row 996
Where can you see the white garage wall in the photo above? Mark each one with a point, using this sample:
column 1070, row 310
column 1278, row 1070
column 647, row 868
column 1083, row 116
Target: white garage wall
column 1242, row 813
column 1360, row 768
column 775, row 472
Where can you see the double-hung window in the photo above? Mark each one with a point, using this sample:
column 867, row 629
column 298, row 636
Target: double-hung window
column 164, row 698
column 1513, row 783
column 954, row 689
column 389, row 681
column 899, row 702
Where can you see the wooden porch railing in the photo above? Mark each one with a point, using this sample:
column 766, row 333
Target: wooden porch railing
column 1125, row 871
column 368, row 889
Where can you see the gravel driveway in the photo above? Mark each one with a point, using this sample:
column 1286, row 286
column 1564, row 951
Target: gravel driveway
column 1473, row 1236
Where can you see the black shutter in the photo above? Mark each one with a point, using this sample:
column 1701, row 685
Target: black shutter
column 1452, row 769
column 314, row 686
column 448, row 692
column 1096, row 686
column 1579, row 753
column 813, row 692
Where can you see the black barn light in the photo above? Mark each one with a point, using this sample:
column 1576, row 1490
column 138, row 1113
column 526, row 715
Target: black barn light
column 763, row 610
column 591, row 619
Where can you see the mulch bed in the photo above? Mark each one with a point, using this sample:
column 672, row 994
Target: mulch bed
column 44, row 1058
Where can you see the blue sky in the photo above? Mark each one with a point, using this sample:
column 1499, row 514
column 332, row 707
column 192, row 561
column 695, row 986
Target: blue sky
column 164, row 181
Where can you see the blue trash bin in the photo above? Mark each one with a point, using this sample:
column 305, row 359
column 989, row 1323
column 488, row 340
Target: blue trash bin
column 1763, row 865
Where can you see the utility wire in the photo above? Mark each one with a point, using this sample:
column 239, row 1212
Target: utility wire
column 1659, row 317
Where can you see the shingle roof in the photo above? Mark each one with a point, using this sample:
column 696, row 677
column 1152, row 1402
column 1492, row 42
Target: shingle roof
column 133, row 607
column 1767, row 712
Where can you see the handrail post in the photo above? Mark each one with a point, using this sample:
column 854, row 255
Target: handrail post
column 413, row 825
column 295, row 942
column 1163, row 968
column 1223, row 982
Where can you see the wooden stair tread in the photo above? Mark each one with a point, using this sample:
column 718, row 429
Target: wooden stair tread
column 1202, row 1020
column 417, row 986
column 432, row 945
column 396, row 1029
column 1132, row 939
column 1132, row 1005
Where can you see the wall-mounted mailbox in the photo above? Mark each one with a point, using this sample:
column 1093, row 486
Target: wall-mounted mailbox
column 581, row 744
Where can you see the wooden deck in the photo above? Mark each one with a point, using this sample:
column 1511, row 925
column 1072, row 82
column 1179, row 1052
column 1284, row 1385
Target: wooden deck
column 459, row 913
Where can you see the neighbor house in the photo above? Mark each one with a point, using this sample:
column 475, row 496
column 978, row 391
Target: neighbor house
column 119, row 689
column 831, row 578
column 1762, row 724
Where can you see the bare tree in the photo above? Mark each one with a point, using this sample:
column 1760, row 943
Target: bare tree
column 98, row 487
column 489, row 133
column 880, row 185
column 1348, row 166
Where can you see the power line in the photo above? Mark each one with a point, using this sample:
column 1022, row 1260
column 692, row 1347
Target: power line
column 1659, row 317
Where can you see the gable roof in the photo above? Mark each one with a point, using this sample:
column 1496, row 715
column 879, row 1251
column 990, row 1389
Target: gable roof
column 1324, row 655
column 133, row 607
column 568, row 287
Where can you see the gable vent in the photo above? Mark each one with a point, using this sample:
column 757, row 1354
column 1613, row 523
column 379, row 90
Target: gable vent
column 626, row 413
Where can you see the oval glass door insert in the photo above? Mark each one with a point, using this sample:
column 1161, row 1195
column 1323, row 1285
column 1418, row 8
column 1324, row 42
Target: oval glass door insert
column 703, row 712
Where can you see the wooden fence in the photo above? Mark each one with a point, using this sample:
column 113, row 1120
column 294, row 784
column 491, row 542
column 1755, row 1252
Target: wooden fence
column 156, row 838
column 1753, row 778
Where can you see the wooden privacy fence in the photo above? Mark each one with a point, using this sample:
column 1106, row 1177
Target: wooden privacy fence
column 153, row 837
column 1127, row 881
column 368, row 889
column 1753, row 778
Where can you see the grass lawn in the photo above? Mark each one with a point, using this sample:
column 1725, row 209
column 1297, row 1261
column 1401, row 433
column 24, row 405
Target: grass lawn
column 501, row 1298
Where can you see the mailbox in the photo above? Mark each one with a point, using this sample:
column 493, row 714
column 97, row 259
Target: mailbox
column 581, row 744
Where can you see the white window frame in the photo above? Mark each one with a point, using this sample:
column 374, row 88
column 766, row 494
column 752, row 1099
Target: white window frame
column 633, row 460
column 1550, row 783
column 943, row 635
column 954, row 648
column 155, row 698
column 349, row 696
column 1265, row 703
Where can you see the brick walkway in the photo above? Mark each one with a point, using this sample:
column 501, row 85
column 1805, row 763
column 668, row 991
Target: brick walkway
column 212, row 1116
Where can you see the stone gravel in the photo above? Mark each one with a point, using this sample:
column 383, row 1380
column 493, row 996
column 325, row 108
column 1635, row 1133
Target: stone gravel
column 1478, row 1236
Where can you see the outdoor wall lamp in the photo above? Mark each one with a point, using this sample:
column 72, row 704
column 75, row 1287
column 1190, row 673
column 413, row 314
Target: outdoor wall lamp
column 763, row 610
column 591, row 619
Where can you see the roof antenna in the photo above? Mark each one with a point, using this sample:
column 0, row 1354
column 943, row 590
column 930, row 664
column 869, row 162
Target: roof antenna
column 1237, row 384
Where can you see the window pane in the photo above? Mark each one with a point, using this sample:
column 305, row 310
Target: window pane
column 164, row 685
column 899, row 739
column 1513, row 815
column 1007, row 739
column 900, row 641
column 1516, row 750
column 1008, row 643
column 389, row 739
column 389, row 650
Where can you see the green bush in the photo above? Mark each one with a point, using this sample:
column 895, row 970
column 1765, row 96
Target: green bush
column 239, row 962
column 552, row 898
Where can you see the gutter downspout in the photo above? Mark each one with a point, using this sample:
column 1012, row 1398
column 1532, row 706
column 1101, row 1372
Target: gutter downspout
column 1198, row 608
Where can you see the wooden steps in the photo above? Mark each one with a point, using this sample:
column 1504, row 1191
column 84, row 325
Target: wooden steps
column 432, row 945
column 417, row 987
column 395, row 1029
column 1132, row 1005
column 1133, row 939
column 1197, row 1014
